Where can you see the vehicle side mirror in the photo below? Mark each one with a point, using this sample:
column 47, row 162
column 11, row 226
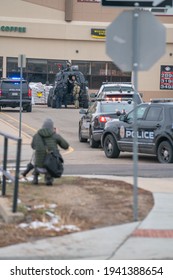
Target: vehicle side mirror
column 82, row 111
column 93, row 95
column 123, row 118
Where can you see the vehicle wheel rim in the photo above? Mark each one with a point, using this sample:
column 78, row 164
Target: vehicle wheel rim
column 109, row 147
column 165, row 154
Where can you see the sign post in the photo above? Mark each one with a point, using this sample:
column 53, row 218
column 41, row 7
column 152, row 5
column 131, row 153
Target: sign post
column 21, row 65
column 130, row 42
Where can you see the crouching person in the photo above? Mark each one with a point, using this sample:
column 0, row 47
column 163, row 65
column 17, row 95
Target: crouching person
column 46, row 138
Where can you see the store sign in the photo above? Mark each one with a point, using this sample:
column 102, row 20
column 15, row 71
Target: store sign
column 98, row 33
column 7, row 28
column 166, row 77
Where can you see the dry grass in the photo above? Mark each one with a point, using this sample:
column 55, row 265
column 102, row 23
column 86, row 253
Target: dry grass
column 81, row 202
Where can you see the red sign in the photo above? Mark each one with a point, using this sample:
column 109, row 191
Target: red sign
column 166, row 77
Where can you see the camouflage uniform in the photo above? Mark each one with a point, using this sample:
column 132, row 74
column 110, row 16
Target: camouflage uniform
column 76, row 91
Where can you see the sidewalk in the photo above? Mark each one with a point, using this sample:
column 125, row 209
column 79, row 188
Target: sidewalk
column 150, row 239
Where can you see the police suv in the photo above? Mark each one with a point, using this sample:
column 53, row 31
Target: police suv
column 154, row 131
column 10, row 93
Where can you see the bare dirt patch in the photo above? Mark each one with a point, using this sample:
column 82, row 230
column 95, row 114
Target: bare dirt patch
column 72, row 204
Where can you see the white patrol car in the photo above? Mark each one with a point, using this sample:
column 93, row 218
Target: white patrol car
column 112, row 86
column 118, row 92
column 154, row 131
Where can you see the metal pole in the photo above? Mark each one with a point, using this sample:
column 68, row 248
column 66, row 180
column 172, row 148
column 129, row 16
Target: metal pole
column 135, row 128
column 20, row 115
column 16, row 184
column 4, row 165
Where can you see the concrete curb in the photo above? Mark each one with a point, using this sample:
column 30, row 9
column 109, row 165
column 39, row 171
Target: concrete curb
column 6, row 212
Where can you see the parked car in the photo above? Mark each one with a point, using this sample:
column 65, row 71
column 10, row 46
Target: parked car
column 117, row 92
column 154, row 133
column 93, row 120
column 113, row 86
column 10, row 94
column 62, row 82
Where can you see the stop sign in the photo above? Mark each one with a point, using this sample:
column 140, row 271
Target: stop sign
column 149, row 35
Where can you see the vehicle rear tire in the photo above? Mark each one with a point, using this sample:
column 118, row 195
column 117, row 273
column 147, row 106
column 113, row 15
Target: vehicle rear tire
column 110, row 147
column 81, row 139
column 48, row 103
column 29, row 108
column 53, row 104
column 49, row 97
column 92, row 142
column 165, row 152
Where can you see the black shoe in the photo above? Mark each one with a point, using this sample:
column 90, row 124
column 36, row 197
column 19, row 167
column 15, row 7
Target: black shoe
column 35, row 180
column 49, row 183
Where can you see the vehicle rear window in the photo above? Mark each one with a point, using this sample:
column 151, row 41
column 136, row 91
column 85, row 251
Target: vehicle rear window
column 114, row 107
column 118, row 88
column 8, row 85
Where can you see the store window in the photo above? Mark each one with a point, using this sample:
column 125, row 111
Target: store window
column 44, row 70
column 54, row 66
column 98, row 74
column 84, row 66
column 116, row 75
column 37, row 70
column 12, row 67
column 98, row 68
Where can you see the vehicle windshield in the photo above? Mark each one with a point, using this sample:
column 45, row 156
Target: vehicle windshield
column 118, row 88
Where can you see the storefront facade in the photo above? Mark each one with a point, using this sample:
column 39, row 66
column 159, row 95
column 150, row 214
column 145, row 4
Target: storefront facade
column 50, row 33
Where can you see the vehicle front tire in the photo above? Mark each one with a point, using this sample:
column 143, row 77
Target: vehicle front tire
column 110, row 147
column 165, row 152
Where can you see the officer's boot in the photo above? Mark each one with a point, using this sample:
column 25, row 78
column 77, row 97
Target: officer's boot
column 48, row 179
column 35, row 177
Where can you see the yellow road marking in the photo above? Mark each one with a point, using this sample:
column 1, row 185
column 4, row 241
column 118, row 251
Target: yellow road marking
column 70, row 149
column 24, row 124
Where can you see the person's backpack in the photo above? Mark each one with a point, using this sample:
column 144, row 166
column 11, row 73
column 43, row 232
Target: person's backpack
column 53, row 162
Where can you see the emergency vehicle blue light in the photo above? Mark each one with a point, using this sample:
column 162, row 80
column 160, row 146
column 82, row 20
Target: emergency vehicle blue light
column 16, row 78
